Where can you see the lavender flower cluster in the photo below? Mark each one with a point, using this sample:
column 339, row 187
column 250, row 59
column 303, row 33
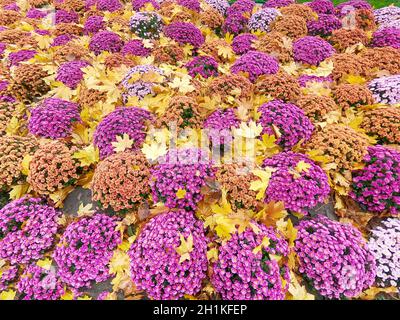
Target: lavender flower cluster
column 291, row 121
column 53, row 118
column 205, row 66
column 384, row 243
column 129, row 120
column 386, row 89
column 85, row 250
column 299, row 190
column 261, row 20
column 220, row 5
column 185, row 169
column 334, row 258
column 376, row 187
column 255, row 63
column 158, row 268
column 244, row 273
column 27, row 229
column 312, row 50
column 184, row 33
column 147, row 25
column 386, row 14
column 387, row 37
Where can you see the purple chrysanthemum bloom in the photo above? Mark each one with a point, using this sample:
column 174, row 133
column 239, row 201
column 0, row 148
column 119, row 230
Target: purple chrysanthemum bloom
column 205, row 66
column 85, row 250
column 94, row 24
column 291, row 121
column 158, row 268
column 242, row 43
column 185, row 169
column 376, row 187
column 384, row 243
column 3, row 47
column 61, row 40
column 386, row 90
column 53, row 118
column 324, row 26
column 386, row 37
column 8, row 276
column 235, row 23
column 184, row 32
column 37, row 283
column 277, row 3
column 147, row 25
column 70, row 73
column 244, row 269
column 27, row 229
column 34, row 13
column 255, row 63
column 130, row 120
column 322, row 6
column 136, row 48
column 105, row 41
column 42, row 32
column 304, row 79
column 334, row 258
column 261, row 20
column 386, row 14
column 345, row 7
column 220, row 5
column 219, row 124
column 109, row 5
column 241, row 6
column 312, row 50
column 63, row 16
column 139, row 4
column 12, row 6
column 190, row 4
column 139, row 88
column 299, row 191
column 22, row 55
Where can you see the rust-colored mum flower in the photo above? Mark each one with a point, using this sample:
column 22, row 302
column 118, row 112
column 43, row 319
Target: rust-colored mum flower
column 352, row 95
column 71, row 5
column 300, row 10
column 384, row 123
column 292, row 26
column 227, row 85
column 69, row 52
column 16, row 37
column 121, row 181
column 365, row 19
column 275, row 45
column 175, row 12
column 280, row 86
column 210, row 48
column 8, row 17
column 117, row 59
column 344, row 38
column 385, row 58
column 340, row 144
column 346, row 63
column 316, row 107
column 28, row 82
column 236, row 180
column 67, row 28
column 183, row 111
column 53, row 168
column 211, row 18
column 38, row 3
column 170, row 53
column 89, row 97
column 12, row 151
column 6, row 113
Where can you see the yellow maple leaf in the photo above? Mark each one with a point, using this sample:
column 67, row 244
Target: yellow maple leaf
column 265, row 243
column 123, row 143
column 18, row 191
column 371, row 292
column 185, row 248
column 68, row 295
column 85, row 297
column 180, row 194
column 226, row 52
column 25, row 164
column 297, row 291
column 12, row 126
column 354, row 79
column 288, row 230
column 59, row 196
column 212, row 254
column 89, row 155
column 261, row 185
column 302, row 166
column 154, row 150
column 7, row 295
column 120, row 262
column 183, row 84
column 271, row 213
column 45, row 263
column 85, row 210
column 248, row 130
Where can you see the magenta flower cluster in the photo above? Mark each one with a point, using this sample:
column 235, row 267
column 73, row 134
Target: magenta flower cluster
column 305, row 79
column 108, row 5
column 53, row 118
column 334, row 258
column 235, row 23
column 387, row 37
column 136, row 48
column 322, row 6
column 376, row 187
column 85, row 250
column 384, row 243
column 61, row 40
column 205, row 66
column 255, row 63
column 386, row 89
column 190, row 4
column 147, row 25
column 324, row 26
column 261, row 20
column 129, row 120
column 277, row 3
column 219, row 124
column 243, row 274
column 37, row 283
column 155, row 263
column 105, row 41
column 139, row 4
column 299, row 190
column 346, row 7
column 241, row 6
column 63, row 16
column 34, row 13
column 8, row 276
column 243, row 43
column 220, row 5
column 94, row 24
column 70, row 73
column 312, row 50
column 27, row 230
column 184, row 33
column 291, row 121
column 185, row 169
column 22, row 55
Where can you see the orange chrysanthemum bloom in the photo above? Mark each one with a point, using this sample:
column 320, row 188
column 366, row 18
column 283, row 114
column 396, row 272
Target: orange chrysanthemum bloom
column 279, row 86
column 352, row 95
column 316, row 107
column 384, row 123
column 292, row 26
